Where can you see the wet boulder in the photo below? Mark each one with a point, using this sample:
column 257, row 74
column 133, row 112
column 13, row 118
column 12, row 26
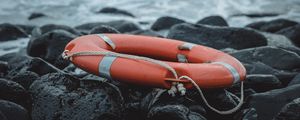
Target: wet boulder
column 262, row 82
column 165, row 22
column 273, row 25
column 173, row 112
column 14, row 92
column 147, row 33
column 269, row 55
column 36, row 15
column 290, row 111
column 27, row 28
column 295, row 80
column 11, row 32
column 217, row 37
column 268, row 104
column 39, row 31
column 213, row 20
column 3, row 68
column 69, row 98
column 12, row 111
column 50, row 46
column 103, row 29
column 246, row 114
column 112, row 10
column 293, row 33
column 25, row 78
column 121, row 25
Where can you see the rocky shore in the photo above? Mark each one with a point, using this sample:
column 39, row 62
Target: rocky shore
column 37, row 84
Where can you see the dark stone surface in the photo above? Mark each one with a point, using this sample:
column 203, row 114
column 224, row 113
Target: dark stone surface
column 11, row 32
column 262, row 82
column 146, row 33
column 27, row 28
column 50, row 46
column 25, row 78
column 257, row 15
column 3, row 68
column 165, row 22
column 12, row 111
column 103, row 29
column 290, row 111
column 272, row 56
column 39, row 31
column 173, row 112
column 273, row 25
column 112, row 10
column 213, row 20
column 68, row 98
column 14, row 92
column 247, row 114
column 35, row 15
column 269, row 104
column 121, row 25
column 293, row 33
column 295, row 80
column 217, row 37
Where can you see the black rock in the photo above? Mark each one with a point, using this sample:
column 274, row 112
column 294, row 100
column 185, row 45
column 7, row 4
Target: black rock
column 256, row 25
column 217, row 37
column 165, row 22
column 290, row 111
column 295, row 80
column 146, row 33
column 14, row 92
column 257, row 15
column 272, row 26
column 14, row 60
column 272, row 56
column 25, row 78
column 12, row 111
column 124, row 26
column 262, row 82
column 269, row 104
column 259, row 68
column 173, row 112
column 27, row 28
column 112, row 10
column 3, row 68
column 69, row 98
column 41, row 67
column 121, row 25
column 11, row 32
column 247, row 114
column 292, row 49
column 213, row 20
column 2, row 116
column 50, row 46
column 103, row 29
column 35, row 15
column 293, row 33
column 39, row 31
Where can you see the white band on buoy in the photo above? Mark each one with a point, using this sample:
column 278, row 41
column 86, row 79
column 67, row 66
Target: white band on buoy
column 105, row 65
column 233, row 71
column 186, row 46
column 107, row 40
column 182, row 58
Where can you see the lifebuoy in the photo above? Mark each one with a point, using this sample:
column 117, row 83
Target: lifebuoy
column 208, row 67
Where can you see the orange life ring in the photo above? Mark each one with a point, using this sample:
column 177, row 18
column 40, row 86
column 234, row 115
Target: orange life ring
column 208, row 67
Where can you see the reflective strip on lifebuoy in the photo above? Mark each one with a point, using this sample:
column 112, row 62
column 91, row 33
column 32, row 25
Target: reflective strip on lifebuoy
column 104, row 66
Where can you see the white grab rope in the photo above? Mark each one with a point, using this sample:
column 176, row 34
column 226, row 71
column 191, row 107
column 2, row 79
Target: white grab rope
column 176, row 86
